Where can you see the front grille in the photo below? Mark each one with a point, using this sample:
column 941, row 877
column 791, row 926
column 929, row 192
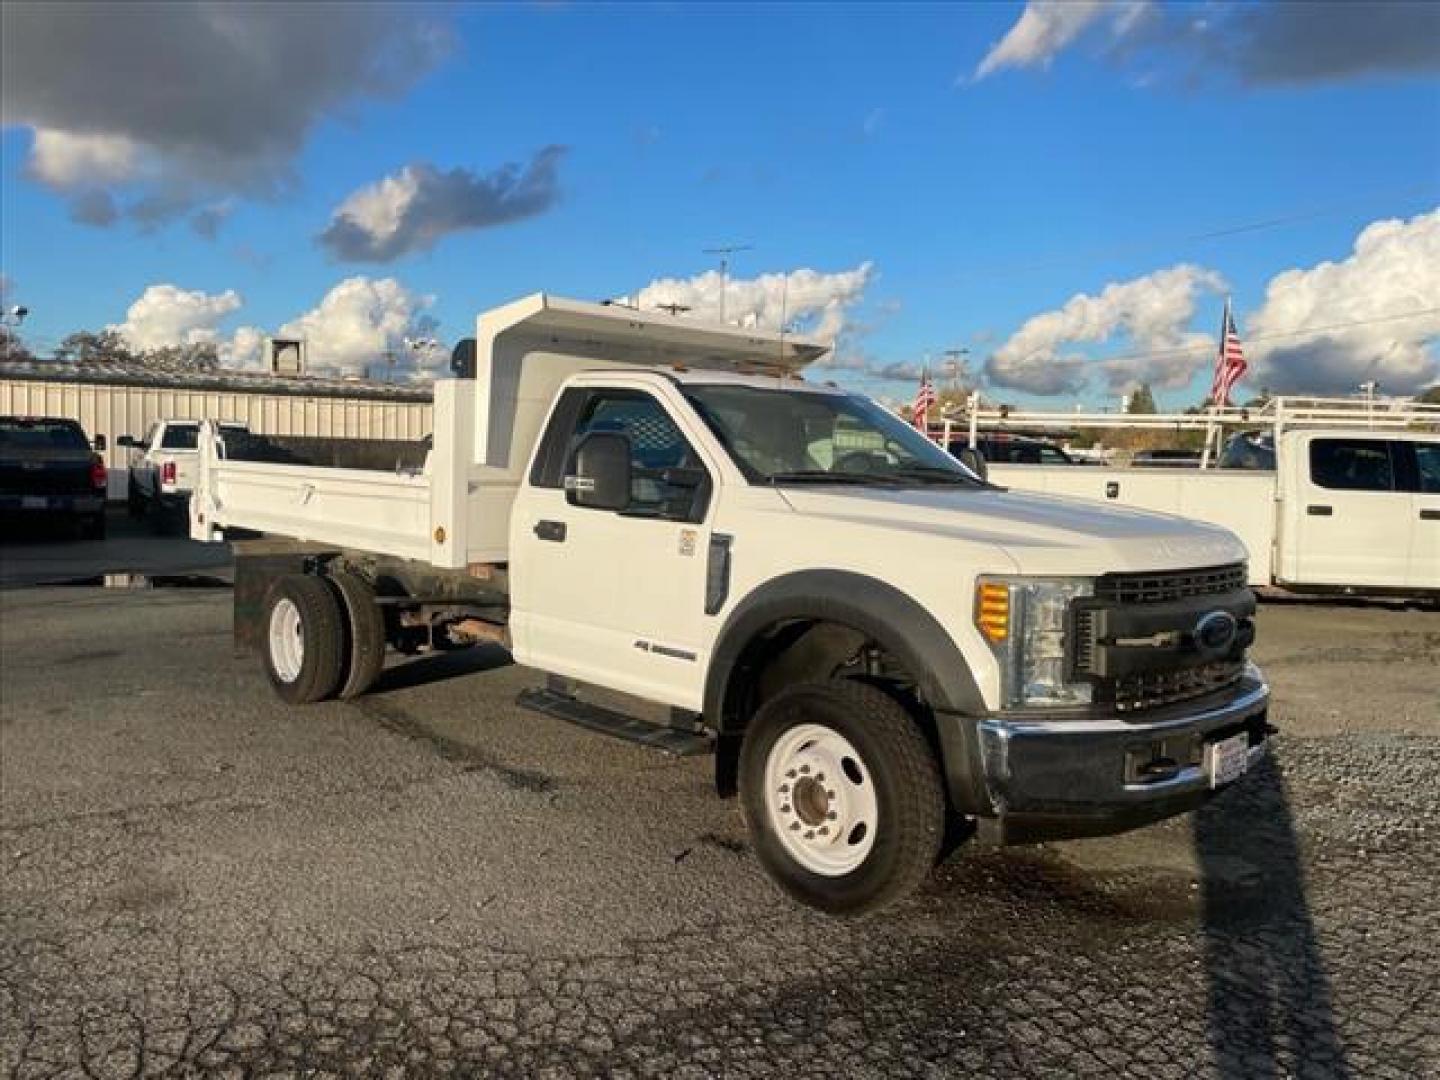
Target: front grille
column 1146, row 691
column 1164, row 585
column 1083, row 649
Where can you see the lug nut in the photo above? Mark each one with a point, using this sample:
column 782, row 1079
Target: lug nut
column 805, row 768
column 831, row 816
column 795, row 827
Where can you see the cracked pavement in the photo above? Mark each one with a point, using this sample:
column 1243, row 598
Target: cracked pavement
column 198, row 880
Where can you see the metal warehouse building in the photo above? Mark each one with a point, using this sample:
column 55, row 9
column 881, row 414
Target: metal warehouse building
column 115, row 400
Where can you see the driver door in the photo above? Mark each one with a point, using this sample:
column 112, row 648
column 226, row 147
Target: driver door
column 615, row 597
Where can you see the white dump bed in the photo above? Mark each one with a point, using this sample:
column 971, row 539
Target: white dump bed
column 456, row 510
column 373, row 511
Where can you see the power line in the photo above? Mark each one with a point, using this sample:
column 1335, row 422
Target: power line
column 1318, row 211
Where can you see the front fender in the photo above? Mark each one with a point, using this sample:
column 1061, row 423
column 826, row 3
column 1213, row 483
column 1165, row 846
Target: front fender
column 897, row 623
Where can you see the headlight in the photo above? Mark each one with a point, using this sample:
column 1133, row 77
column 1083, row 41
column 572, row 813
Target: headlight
column 1024, row 621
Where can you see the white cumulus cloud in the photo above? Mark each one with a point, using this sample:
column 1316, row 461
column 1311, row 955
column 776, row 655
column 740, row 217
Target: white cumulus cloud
column 815, row 302
column 356, row 326
column 413, row 209
column 170, row 315
column 1047, row 27
column 1392, row 273
column 72, row 161
column 150, row 110
column 1152, row 312
column 1255, row 44
column 359, row 321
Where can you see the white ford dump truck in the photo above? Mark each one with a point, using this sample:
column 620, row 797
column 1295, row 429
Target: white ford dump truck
column 873, row 642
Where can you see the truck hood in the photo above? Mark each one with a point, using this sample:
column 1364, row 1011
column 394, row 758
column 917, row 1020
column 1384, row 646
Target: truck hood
column 1042, row 534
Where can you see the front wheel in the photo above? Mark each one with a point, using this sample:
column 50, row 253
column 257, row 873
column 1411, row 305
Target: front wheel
column 842, row 796
column 304, row 639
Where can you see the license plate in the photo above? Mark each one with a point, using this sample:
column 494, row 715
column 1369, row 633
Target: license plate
column 34, row 502
column 1229, row 758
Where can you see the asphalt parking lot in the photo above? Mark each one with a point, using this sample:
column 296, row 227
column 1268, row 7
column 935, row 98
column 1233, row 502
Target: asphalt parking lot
column 196, row 879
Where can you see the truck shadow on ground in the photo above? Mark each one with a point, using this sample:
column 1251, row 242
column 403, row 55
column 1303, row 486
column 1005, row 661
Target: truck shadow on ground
column 440, row 666
column 1269, row 1007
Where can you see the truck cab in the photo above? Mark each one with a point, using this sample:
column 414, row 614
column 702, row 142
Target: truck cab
column 872, row 641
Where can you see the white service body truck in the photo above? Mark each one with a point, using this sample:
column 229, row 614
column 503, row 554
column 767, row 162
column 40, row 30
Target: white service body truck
column 871, row 641
column 1349, row 502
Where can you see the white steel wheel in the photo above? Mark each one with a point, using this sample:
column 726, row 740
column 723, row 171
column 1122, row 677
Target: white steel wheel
column 842, row 794
column 286, row 640
column 821, row 800
column 304, row 638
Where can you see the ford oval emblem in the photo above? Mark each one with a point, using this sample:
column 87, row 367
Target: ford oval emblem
column 1215, row 632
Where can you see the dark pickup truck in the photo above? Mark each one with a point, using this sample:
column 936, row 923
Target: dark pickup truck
column 48, row 468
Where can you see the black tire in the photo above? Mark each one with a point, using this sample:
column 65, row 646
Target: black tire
column 134, row 501
column 895, row 758
column 364, row 654
column 321, row 633
column 160, row 516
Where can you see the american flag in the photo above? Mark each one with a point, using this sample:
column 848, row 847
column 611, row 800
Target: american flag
column 1229, row 361
column 924, row 402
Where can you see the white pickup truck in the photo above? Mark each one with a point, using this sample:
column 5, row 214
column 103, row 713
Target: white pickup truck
column 871, row 641
column 1328, row 495
column 162, row 469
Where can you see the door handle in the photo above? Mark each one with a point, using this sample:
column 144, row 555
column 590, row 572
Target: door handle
column 551, row 530
column 1430, row 515
column 1319, row 511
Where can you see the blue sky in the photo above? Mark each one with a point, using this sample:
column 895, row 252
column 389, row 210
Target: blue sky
column 828, row 137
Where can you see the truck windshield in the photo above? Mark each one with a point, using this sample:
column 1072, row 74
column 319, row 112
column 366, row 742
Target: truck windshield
column 794, row 436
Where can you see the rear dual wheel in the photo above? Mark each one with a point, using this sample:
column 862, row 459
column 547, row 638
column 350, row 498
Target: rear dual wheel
column 323, row 637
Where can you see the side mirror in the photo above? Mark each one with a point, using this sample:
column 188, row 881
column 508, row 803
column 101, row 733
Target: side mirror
column 973, row 460
column 598, row 475
column 100, row 444
column 127, row 440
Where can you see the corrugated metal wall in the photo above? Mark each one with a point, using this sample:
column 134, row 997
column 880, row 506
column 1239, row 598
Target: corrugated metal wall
column 115, row 410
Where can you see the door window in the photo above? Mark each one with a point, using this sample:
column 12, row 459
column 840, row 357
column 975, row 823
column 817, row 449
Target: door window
column 1352, row 464
column 1427, row 461
column 667, row 478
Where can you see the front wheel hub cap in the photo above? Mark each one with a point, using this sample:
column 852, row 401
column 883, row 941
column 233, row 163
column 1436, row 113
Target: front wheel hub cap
column 820, row 799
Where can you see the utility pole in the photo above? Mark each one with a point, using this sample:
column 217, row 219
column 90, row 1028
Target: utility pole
column 725, row 253
column 954, row 364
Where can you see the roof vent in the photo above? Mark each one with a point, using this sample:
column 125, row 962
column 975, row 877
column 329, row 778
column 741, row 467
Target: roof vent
column 285, row 356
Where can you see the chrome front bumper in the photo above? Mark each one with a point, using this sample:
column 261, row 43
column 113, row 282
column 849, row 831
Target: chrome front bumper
column 1086, row 776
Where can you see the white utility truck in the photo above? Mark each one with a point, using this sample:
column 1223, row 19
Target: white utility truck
column 162, row 470
column 1329, row 495
column 872, row 641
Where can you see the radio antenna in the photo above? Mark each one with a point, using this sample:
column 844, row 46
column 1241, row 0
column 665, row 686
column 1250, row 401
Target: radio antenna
column 725, row 251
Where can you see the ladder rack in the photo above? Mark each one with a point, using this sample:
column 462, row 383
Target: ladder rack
column 1279, row 414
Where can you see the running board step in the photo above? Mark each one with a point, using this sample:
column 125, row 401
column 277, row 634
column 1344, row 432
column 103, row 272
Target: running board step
column 608, row 722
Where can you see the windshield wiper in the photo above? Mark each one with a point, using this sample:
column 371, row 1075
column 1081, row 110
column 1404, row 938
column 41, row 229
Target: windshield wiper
column 824, row 476
column 937, row 473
